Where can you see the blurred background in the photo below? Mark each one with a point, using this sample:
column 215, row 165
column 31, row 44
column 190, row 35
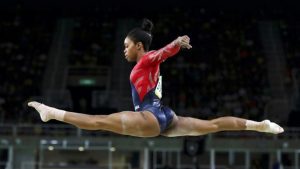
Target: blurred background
column 244, row 62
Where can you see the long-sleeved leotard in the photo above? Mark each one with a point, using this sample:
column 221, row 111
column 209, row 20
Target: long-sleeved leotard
column 145, row 84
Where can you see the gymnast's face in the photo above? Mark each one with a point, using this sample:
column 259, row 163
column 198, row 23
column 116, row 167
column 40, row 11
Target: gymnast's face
column 131, row 50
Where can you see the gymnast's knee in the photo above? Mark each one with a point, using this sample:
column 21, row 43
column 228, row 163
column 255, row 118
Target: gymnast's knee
column 213, row 125
column 99, row 122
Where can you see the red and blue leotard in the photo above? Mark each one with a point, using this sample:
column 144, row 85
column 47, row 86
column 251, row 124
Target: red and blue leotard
column 144, row 80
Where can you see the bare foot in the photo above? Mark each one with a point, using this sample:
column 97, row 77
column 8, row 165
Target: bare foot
column 270, row 127
column 43, row 110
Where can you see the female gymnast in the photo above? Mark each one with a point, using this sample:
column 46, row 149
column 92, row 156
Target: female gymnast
column 150, row 117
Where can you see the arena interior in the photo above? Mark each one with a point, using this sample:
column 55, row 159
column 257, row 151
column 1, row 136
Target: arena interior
column 245, row 62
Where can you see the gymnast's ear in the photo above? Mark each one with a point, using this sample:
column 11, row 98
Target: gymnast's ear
column 139, row 45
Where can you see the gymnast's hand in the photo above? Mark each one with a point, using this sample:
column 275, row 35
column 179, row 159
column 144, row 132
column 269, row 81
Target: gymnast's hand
column 183, row 42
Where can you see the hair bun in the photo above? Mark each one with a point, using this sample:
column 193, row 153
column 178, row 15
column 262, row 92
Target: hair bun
column 147, row 25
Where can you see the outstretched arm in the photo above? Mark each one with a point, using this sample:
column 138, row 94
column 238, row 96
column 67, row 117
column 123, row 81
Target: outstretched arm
column 169, row 50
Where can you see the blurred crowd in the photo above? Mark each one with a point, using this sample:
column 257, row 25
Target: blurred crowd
column 24, row 45
column 92, row 42
column 290, row 36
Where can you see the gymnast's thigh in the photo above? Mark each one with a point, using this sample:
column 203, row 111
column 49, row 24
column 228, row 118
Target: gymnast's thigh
column 143, row 124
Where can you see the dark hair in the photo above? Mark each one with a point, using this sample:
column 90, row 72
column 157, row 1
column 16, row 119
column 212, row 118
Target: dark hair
column 142, row 34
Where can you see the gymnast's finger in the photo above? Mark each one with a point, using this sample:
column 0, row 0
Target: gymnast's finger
column 186, row 45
